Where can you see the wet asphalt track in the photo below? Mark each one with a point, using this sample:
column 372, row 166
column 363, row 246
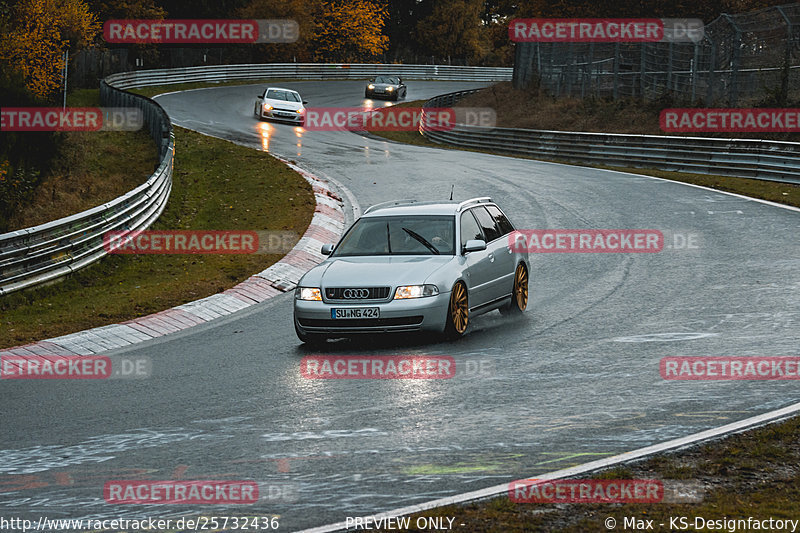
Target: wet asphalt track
column 575, row 379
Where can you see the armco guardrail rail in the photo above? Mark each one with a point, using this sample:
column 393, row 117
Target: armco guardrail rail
column 43, row 253
column 745, row 158
column 305, row 71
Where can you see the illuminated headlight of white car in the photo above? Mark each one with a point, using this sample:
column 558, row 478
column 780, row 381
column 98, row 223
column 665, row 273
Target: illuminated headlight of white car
column 415, row 291
column 267, row 107
column 308, row 293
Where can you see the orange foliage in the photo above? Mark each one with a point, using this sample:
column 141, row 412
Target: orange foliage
column 351, row 30
column 39, row 33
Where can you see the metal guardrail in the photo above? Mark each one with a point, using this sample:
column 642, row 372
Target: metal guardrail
column 307, row 71
column 44, row 253
column 745, row 158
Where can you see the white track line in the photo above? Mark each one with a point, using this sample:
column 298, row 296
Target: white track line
column 641, row 453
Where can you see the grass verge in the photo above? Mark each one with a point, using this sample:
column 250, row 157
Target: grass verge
column 92, row 167
column 216, row 185
column 752, row 474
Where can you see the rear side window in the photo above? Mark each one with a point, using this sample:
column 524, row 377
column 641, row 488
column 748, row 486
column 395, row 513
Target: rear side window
column 500, row 219
column 470, row 230
column 487, row 223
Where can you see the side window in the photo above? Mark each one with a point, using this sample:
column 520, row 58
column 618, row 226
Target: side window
column 469, row 229
column 486, row 222
column 500, row 219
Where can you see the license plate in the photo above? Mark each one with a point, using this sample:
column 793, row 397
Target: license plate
column 284, row 114
column 356, row 312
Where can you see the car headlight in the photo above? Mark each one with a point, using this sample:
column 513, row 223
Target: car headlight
column 300, row 111
column 370, row 86
column 308, row 293
column 415, row 291
column 267, row 107
column 390, row 89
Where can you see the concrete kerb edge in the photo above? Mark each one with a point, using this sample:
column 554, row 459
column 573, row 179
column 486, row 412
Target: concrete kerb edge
column 280, row 277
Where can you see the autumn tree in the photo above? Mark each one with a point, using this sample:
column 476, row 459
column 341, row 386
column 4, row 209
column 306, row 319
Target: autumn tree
column 453, row 29
column 307, row 14
column 38, row 34
column 126, row 9
column 350, row 30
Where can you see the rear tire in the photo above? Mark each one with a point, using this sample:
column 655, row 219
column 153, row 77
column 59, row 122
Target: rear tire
column 457, row 312
column 519, row 293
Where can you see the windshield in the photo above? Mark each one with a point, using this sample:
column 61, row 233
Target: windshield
column 387, row 79
column 399, row 235
column 286, row 96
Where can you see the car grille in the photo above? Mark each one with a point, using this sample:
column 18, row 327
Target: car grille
column 360, row 322
column 347, row 294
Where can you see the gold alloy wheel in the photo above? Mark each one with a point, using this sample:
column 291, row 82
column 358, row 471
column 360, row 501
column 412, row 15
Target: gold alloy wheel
column 521, row 287
column 459, row 308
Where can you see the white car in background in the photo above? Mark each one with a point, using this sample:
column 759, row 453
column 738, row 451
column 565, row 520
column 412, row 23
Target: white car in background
column 277, row 103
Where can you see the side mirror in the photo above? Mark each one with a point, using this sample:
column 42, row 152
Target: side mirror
column 475, row 245
column 305, row 102
column 327, row 249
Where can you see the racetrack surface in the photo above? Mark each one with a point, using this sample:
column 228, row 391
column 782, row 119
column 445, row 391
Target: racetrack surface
column 576, row 378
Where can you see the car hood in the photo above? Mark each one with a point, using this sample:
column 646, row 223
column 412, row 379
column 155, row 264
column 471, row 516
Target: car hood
column 374, row 271
column 384, row 85
column 284, row 104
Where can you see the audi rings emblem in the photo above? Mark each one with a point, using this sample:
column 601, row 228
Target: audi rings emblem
column 353, row 294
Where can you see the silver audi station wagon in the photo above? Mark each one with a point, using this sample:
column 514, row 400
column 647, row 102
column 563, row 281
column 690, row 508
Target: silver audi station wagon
column 413, row 266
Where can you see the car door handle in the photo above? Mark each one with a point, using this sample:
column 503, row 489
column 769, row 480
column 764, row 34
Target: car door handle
column 491, row 257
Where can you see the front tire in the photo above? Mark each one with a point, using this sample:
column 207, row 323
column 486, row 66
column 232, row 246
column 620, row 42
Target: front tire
column 457, row 312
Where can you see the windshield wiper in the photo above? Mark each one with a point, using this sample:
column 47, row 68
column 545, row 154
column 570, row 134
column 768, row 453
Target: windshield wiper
column 421, row 239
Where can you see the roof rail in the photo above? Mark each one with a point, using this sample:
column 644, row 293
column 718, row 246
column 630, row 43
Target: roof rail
column 388, row 204
column 476, row 201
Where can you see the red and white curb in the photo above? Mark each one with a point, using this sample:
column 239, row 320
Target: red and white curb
column 326, row 226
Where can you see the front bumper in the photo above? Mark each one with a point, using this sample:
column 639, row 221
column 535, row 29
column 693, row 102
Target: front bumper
column 295, row 118
column 417, row 314
column 374, row 94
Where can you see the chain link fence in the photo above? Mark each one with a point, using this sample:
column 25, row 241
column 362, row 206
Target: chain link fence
column 750, row 58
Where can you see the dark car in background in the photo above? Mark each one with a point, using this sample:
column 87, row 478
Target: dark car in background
column 389, row 87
